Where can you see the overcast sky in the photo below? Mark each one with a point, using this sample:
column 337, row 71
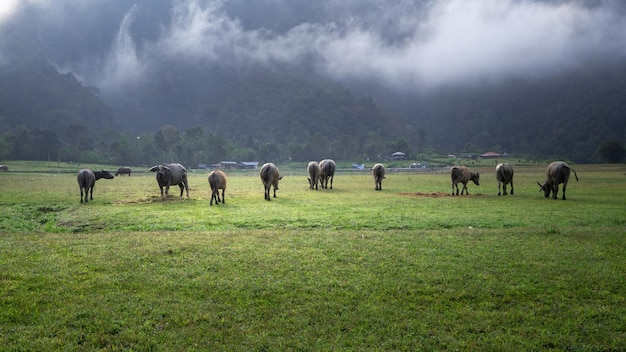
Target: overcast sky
column 402, row 44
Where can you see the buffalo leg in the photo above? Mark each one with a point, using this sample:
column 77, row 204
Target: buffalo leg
column 555, row 191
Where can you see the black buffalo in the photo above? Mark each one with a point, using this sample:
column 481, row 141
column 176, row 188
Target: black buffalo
column 463, row 175
column 217, row 181
column 327, row 172
column 313, row 170
column 87, row 180
column 378, row 171
column 270, row 175
column 171, row 175
column 558, row 172
column 504, row 176
column 124, row 170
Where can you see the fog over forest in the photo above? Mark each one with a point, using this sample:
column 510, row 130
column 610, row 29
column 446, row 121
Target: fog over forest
column 452, row 75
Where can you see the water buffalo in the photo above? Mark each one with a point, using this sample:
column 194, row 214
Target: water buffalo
column 378, row 171
column 270, row 175
column 464, row 175
column 170, row 175
column 327, row 171
column 217, row 181
column 87, row 180
column 124, row 170
column 557, row 173
column 4, row 168
column 313, row 170
column 504, row 176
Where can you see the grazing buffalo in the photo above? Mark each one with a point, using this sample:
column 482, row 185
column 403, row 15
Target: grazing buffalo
column 313, row 170
column 327, row 171
column 378, row 171
column 87, row 180
column 4, row 168
column 557, row 173
column 270, row 175
column 217, row 181
column 504, row 176
column 171, row 175
column 463, row 175
column 124, row 170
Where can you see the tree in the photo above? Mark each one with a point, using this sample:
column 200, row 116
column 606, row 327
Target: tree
column 400, row 144
column 612, row 151
column 167, row 136
column 269, row 152
column 6, row 146
column 166, row 139
column 319, row 147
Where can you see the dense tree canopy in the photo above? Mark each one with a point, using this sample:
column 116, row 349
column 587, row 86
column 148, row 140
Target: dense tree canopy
column 261, row 115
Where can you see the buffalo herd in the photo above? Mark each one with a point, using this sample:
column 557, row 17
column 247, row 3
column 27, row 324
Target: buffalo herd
column 322, row 174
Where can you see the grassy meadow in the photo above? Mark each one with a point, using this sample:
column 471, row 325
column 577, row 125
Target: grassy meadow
column 407, row 268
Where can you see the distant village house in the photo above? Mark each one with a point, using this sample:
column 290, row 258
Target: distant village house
column 231, row 165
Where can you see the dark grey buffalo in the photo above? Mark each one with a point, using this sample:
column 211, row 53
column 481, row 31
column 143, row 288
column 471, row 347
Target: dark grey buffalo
column 327, row 172
column 270, row 175
column 378, row 171
column 217, row 181
column 504, row 176
column 558, row 172
column 124, row 170
column 313, row 170
column 87, row 180
column 171, row 175
column 463, row 175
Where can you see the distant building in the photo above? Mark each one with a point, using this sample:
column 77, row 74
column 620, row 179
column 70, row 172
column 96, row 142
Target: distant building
column 490, row 155
column 398, row 156
column 249, row 165
column 230, row 165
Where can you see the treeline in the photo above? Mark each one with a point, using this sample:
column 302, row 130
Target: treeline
column 575, row 115
column 191, row 147
column 205, row 116
column 259, row 116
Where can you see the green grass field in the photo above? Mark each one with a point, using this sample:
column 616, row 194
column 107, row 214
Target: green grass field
column 407, row 268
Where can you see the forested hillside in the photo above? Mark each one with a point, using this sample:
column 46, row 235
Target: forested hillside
column 271, row 115
column 567, row 116
column 201, row 81
column 45, row 114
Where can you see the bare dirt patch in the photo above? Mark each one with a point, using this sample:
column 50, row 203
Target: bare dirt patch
column 153, row 199
column 429, row 195
column 432, row 194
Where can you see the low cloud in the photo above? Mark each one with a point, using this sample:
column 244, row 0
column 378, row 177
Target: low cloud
column 122, row 65
column 404, row 45
column 450, row 42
